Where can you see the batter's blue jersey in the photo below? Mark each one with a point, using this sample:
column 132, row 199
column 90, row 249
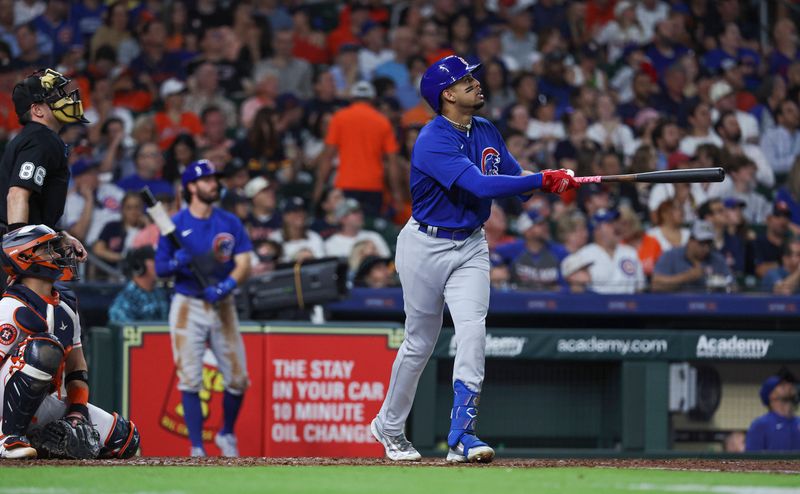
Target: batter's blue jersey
column 441, row 154
column 213, row 242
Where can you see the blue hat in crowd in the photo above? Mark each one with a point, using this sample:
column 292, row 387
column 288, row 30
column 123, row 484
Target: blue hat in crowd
column 734, row 202
column 605, row 216
column 767, row 386
column 82, row 166
column 196, row 170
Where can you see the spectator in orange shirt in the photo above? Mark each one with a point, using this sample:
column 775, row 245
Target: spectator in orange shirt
column 174, row 120
column 363, row 138
column 633, row 234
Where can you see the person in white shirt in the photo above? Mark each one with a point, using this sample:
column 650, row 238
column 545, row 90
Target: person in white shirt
column 615, row 267
column 624, row 29
column 351, row 221
column 91, row 204
column 609, row 131
column 649, row 13
column 781, row 144
column 294, row 236
column 374, row 52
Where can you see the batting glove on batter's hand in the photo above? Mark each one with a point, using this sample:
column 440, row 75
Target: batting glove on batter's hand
column 180, row 259
column 558, row 181
column 215, row 293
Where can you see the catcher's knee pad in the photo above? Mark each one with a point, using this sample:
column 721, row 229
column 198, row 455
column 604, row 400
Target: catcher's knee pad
column 123, row 442
column 38, row 360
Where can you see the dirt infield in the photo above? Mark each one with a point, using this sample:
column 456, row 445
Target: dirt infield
column 687, row 464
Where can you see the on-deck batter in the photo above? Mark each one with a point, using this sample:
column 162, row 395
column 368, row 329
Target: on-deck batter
column 199, row 316
column 458, row 165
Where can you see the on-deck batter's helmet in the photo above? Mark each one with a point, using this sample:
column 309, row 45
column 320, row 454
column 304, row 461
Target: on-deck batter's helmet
column 441, row 75
column 51, row 88
column 18, row 256
column 198, row 169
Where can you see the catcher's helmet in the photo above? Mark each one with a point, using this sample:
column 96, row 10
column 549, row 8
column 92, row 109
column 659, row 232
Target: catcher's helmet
column 51, row 88
column 21, row 255
column 441, row 75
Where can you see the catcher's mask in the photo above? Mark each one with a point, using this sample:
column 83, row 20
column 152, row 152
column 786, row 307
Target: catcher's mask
column 53, row 89
column 38, row 251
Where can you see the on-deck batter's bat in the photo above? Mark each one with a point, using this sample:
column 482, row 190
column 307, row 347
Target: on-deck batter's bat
column 661, row 177
column 167, row 228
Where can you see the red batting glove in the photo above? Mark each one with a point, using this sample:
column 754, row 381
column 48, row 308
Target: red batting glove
column 558, row 181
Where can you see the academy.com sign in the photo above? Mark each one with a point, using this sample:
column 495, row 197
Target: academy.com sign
column 733, row 347
column 612, row 345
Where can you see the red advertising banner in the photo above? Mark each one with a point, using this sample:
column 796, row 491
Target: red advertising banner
column 314, row 391
column 323, row 390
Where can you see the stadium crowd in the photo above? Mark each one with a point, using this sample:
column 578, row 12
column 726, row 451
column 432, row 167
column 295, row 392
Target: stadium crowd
column 310, row 111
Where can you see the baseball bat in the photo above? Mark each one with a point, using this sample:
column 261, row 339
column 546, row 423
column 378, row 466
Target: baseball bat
column 661, row 177
column 167, row 228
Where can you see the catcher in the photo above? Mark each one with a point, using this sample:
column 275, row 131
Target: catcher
column 44, row 386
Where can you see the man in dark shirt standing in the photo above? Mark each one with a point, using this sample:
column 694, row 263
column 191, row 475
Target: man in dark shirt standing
column 34, row 175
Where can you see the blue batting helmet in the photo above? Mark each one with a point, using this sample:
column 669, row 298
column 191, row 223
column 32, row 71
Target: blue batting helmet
column 198, row 169
column 441, row 75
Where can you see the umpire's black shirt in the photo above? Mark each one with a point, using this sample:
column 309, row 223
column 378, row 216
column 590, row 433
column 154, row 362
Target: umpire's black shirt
column 36, row 160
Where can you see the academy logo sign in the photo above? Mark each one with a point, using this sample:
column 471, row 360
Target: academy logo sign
column 497, row 346
column 733, row 347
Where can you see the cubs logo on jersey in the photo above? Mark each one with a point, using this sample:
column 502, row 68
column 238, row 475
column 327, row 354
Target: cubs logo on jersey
column 222, row 247
column 490, row 161
column 628, row 267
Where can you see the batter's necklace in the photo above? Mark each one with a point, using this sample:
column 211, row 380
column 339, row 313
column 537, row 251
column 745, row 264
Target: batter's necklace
column 461, row 127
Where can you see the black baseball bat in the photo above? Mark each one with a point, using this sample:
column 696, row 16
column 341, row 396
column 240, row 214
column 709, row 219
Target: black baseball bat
column 167, row 228
column 661, row 177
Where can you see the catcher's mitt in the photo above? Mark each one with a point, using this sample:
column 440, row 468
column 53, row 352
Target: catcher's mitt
column 71, row 438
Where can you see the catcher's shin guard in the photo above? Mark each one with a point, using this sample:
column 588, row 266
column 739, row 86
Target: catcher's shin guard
column 38, row 360
column 123, row 441
column 464, row 445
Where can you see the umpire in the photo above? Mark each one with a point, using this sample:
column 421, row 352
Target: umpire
column 34, row 174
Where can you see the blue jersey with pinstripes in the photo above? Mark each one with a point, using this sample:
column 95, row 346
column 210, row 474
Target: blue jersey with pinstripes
column 213, row 241
column 441, row 154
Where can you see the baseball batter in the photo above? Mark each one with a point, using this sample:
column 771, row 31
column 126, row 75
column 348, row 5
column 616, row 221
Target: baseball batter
column 458, row 165
column 216, row 242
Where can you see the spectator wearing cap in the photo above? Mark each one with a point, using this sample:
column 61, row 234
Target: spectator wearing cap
column 609, row 131
column 351, row 221
column 205, row 92
column 723, row 99
column 294, row 74
column 117, row 236
column 633, row 234
column 730, row 245
column 155, row 64
column 294, row 235
column 91, row 204
column 519, row 41
column 365, row 143
column 785, row 279
column 174, row 119
column 700, row 128
column 534, row 260
column 326, row 222
column 262, row 221
column 781, row 144
column 621, row 30
column 693, row 267
column 149, row 164
column 375, row 272
column 575, row 271
column 740, row 182
column 779, row 428
column 141, row 299
column 374, row 51
column 768, row 245
column 615, row 267
column 727, row 128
